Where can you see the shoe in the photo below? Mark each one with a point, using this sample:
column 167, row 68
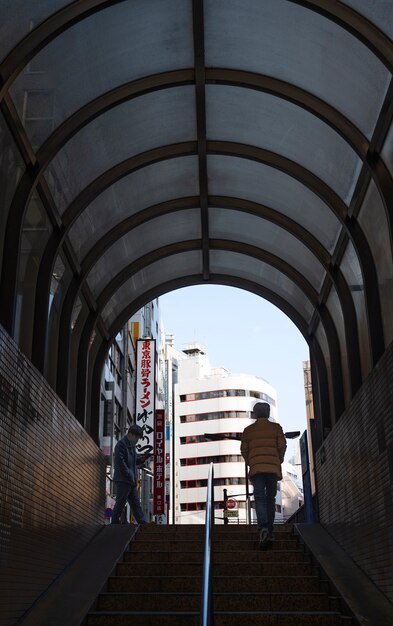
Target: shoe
column 263, row 537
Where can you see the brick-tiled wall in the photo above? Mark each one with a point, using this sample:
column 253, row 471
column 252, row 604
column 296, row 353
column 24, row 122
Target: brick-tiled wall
column 355, row 482
column 52, row 484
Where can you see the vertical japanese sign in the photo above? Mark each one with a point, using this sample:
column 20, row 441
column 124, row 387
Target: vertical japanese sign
column 145, row 393
column 159, row 463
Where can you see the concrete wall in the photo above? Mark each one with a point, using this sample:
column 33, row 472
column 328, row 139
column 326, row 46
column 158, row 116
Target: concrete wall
column 355, row 481
column 52, row 484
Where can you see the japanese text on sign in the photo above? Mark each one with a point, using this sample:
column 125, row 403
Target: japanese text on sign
column 145, row 393
column 159, row 463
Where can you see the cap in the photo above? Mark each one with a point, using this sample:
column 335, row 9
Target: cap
column 136, row 430
column 261, row 409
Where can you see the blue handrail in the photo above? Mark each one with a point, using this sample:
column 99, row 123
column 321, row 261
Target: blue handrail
column 207, row 612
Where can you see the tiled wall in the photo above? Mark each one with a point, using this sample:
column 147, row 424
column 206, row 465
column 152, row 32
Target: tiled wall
column 52, row 484
column 355, row 482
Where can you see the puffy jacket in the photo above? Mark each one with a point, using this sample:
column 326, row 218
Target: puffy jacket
column 263, row 447
column 125, row 462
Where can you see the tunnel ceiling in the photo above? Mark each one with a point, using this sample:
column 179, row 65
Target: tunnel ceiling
column 165, row 143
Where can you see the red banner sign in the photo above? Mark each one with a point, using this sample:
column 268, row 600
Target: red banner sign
column 159, row 463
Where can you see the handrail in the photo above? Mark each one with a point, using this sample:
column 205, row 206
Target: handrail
column 207, row 614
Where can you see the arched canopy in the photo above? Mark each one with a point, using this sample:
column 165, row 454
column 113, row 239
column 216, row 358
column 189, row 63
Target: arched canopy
column 152, row 144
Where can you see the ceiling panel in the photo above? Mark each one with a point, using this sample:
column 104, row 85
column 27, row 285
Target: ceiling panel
column 171, row 268
column 254, row 231
column 154, row 184
column 243, row 178
column 266, row 121
column 242, row 266
column 282, row 39
column 122, row 43
column 162, row 231
column 151, row 121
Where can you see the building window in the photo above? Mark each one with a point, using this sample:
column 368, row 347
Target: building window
column 118, row 413
column 225, row 393
column 262, row 396
column 107, row 430
column 202, row 439
column 116, row 363
column 198, row 506
column 191, row 439
column 231, row 393
column 204, row 460
column 188, row 397
column 218, row 482
column 218, row 415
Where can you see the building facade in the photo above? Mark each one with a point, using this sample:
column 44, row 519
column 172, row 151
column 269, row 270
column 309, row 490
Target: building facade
column 214, row 402
column 118, row 393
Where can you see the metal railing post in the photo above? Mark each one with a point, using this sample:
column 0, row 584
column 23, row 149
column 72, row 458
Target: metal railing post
column 225, row 492
column 248, row 502
column 207, row 611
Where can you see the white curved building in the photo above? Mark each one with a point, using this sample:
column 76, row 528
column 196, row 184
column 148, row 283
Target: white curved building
column 211, row 400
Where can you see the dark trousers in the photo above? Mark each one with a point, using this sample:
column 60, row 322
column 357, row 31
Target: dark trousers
column 127, row 493
column 265, row 489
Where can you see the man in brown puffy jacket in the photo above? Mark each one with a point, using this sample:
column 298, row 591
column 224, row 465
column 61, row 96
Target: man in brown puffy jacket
column 263, row 446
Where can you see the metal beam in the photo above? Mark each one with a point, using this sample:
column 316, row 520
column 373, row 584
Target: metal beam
column 136, row 88
column 104, row 103
column 248, row 250
column 297, row 96
column 120, row 170
column 334, row 274
column 339, row 208
column 219, row 147
column 215, row 244
column 217, row 279
column 239, row 204
column 344, row 16
column 199, row 62
column 321, row 400
column 353, row 22
column 44, row 33
column 185, row 281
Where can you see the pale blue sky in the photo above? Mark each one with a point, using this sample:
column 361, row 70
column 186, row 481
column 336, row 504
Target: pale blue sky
column 245, row 334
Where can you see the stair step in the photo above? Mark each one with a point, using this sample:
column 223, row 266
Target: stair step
column 159, row 581
column 291, row 568
column 218, row 530
column 251, row 584
column 222, row 601
column 286, row 540
column 199, row 531
column 224, row 527
column 246, row 543
column 163, row 557
column 234, row 545
column 221, row 618
column 142, row 545
column 256, row 555
column 154, row 584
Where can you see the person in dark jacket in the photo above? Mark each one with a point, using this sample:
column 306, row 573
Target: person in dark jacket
column 263, row 446
column 125, row 475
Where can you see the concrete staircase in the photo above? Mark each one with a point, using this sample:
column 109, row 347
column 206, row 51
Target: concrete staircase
column 160, row 579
